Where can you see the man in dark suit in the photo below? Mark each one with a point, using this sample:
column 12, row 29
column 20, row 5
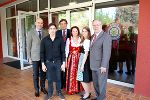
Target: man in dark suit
column 64, row 33
column 100, row 52
column 33, row 53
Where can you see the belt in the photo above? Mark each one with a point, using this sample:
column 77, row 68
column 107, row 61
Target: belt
column 53, row 61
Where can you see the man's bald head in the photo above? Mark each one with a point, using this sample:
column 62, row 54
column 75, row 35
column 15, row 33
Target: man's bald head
column 97, row 26
column 39, row 23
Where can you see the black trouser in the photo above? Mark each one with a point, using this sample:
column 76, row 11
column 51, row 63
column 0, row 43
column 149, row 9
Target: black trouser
column 63, row 79
column 53, row 75
column 38, row 72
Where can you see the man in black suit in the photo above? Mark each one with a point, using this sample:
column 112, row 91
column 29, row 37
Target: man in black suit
column 64, row 33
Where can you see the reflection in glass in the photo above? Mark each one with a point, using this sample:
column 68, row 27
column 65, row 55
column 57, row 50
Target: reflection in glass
column 10, row 11
column 27, row 6
column 43, row 4
column 80, row 19
column 58, row 3
column 44, row 16
column 11, row 37
column 123, row 55
column 26, row 25
column 23, row 32
column 57, row 17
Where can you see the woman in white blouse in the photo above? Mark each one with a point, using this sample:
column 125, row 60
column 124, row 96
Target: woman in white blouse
column 84, row 74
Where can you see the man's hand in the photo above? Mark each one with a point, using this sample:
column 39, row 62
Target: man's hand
column 44, row 67
column 103, row 70
column 63, row 67
column 30, row 61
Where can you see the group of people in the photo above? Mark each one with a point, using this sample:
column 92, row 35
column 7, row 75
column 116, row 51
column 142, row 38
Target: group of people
column 70, row 59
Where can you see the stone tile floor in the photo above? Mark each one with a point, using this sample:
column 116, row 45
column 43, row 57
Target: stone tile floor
column 18, row 85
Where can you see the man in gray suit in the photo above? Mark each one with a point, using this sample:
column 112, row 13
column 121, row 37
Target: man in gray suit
column 33, row 53
column 100, row 52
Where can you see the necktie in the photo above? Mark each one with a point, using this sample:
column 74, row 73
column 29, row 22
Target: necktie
column 94, row 38
column 40, row 35
column 64, row 35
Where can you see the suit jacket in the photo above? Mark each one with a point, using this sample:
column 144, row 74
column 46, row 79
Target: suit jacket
column 59, row 33
column 100, row 51
column 33, row 44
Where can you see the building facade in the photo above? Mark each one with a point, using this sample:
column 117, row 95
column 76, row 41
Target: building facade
column 18, row 17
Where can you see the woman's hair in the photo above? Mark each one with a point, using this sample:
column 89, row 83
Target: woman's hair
column 88, row 36
column 73, row 28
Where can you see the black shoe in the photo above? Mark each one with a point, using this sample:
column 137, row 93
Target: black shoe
column 46, row 97
column 61, row 95
column 120, row 71
column 37, row 94
column 128, row 73
column 86, row 97
column 133, row 72
column 44, row 90
column 94, row 99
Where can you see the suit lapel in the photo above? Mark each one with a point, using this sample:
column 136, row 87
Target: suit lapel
column 36, row 35
column 99, row 36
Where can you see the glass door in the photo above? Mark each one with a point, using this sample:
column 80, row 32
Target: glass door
column 26, row 22
column 80, row 17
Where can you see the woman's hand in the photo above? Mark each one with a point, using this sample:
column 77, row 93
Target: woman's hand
column 82, row 68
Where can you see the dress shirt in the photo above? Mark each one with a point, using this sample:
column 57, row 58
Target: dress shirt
column 52, row 50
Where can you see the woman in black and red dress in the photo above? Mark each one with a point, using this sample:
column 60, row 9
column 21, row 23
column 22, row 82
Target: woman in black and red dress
column 72, row 54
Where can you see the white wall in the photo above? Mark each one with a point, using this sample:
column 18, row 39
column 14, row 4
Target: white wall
column 4, row 32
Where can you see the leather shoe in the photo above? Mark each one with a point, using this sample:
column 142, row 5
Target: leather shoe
column 61, row 95
column 46, row 97
column 37, row 94
column 94, row 99
column 86, row 97
column 44, row 90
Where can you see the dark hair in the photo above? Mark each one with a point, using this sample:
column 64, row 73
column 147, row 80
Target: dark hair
column 89, row 34
column 104, row 27
column 52, row 24
column 73, row 28
column 63, row 20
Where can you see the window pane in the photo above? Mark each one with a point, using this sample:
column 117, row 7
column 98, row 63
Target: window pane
column 59, row 3
column 122, row 21
column 44, row 16
column 10, row 11
column 12, row 37
column 27, row 6
column 81, row 1
column 43, row 4
column 80, row 19
column 57, row 17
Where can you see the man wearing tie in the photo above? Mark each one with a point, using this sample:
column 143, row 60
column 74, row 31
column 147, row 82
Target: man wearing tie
column 64, row 33
column 100, row 52
column 34, row 38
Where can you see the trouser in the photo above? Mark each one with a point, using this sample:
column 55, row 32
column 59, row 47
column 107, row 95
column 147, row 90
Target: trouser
column 99, row 81
column 53, row 74
column 38, row 72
